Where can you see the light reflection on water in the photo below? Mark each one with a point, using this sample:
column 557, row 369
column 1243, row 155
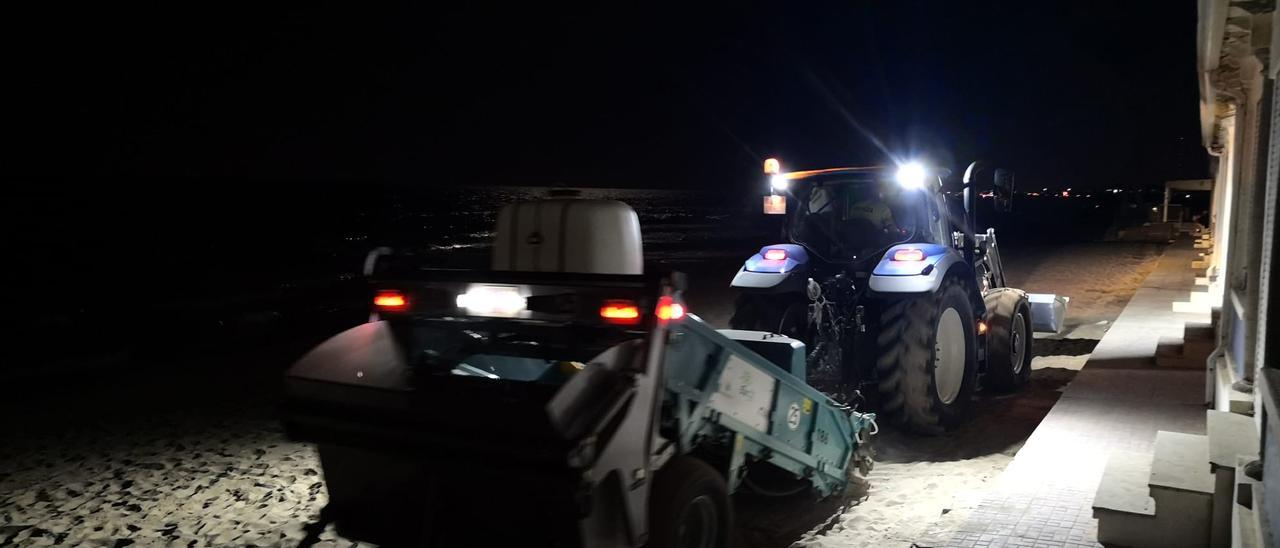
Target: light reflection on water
column 673, row 222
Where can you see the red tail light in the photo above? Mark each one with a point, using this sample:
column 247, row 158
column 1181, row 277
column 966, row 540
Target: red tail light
column 775, row 255
column 620, row 312
column 668, row 309
column 390, row 300
column 908, row 255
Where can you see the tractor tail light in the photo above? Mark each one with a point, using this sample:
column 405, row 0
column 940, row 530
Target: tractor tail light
column 390, row 301
column 668, row 309
column 621, row 312
column 909, row 254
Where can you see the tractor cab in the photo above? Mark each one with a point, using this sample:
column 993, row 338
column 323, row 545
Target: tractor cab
column 851, row 215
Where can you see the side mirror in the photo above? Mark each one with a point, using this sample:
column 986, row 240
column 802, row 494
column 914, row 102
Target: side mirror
column 1002, row 189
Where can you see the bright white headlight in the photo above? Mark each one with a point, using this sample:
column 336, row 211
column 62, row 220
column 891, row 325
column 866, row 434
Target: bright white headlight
column 779, row 183
column 911, row 175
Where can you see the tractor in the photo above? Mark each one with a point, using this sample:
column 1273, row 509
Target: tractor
column 890, row 285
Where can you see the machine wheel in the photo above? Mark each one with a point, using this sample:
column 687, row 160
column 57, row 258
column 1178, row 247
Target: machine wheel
column 1008, row 343
column 689, row 506
column 785, row 313
column 927, row 360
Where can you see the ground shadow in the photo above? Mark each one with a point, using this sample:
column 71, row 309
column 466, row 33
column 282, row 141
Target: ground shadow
column 1001, row 423
column 1063, row 347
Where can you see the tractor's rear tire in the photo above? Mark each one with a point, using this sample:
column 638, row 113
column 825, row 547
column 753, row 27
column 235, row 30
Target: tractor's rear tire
column 1008, row 343
column 927, row 362
column 748, row 313
column 689, row 507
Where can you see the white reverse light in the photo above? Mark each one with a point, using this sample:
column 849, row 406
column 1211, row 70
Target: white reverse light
column 911, row 175
column 779, row 183
column 492, row 300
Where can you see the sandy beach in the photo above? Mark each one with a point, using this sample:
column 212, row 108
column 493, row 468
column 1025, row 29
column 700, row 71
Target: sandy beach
column 190, row 453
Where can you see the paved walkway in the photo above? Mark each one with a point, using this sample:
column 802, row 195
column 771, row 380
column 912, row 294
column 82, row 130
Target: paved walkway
column 1118, row 401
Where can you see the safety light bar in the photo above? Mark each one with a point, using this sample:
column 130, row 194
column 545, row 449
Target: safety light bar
column 909, row 254
column 390, row 301
column 775, row 255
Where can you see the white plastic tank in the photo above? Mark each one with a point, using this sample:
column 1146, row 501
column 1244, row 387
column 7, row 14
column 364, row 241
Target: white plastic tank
column 569, row 235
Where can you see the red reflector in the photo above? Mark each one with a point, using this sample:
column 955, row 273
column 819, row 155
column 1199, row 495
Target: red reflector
column 668, row 309
column 775, row 255
column 620, row 312
column 908, row 255
column 390, row 300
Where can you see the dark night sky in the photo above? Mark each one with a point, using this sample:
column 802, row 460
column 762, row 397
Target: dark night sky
column 1067, row 92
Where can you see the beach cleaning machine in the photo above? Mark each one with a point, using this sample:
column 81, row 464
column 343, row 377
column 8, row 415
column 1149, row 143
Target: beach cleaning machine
column 562, row 398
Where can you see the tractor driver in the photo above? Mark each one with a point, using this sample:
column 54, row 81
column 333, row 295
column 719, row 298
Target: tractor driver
column 873, row 210
column 864, row 223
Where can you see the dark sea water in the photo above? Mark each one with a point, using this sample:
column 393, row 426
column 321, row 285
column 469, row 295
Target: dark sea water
column 130, row 271
column 675, row 224
column 209, row 267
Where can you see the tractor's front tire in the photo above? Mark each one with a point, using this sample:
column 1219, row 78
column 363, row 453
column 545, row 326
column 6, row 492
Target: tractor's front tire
column 1009, row 342
column 689, row 506
column 927, row 362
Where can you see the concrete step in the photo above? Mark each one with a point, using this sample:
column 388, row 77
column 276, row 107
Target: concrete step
column 1198, row 340
column 1188, row 307
column 1125, row 511
column 1227, row 398
column 1181, row 463
column 1198, row 331
column 1197, row 349
column 1170, row 352
column 1203, row 280
column 1206, row 297
column 1199, row 264
column 1183, row 353
column 1182, row 487
column 1246, row 524
column 1232, row 437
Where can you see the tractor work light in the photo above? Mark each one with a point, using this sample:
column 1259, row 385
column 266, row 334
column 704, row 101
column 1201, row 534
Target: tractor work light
column 779, row 183
column 911, row 175
column 493, row 300
column 909, row 254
